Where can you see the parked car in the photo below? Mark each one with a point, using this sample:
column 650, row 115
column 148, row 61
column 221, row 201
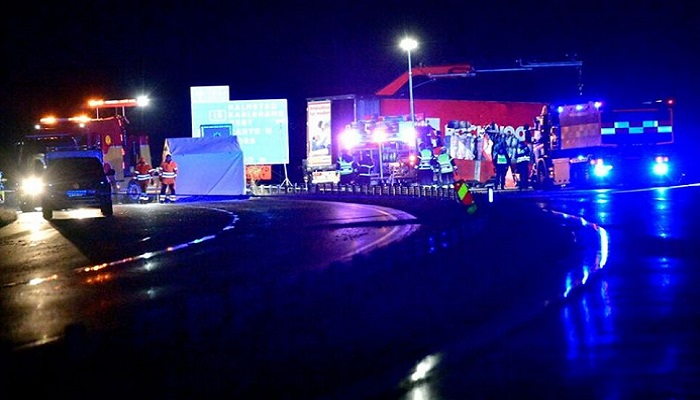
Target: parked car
column 75, row 182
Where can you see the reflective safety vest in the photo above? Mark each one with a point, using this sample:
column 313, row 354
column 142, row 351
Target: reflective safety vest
column 445, row 162
column 500, row 153
column 168, row 171
column 501, row 159
column 522, row 155
column 366, row 166
column 344, row 167
column 426, row 157
column 143, row 172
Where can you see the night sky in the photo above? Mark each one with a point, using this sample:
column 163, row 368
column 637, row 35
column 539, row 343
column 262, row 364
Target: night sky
column 59, row 54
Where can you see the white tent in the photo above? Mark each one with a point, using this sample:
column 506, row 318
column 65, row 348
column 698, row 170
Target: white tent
column 207, row 165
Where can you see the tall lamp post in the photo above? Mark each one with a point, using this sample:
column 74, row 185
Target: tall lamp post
column 409, row 44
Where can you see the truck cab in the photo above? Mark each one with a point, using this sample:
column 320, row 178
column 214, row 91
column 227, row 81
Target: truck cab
column 595, row 145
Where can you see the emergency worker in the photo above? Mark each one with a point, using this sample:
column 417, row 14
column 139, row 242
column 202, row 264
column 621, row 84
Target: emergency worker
column 523, row 157
column 365, row 168
column 111, row 175
column 168, row 173
column 501, row 161
column 512, row 144
column 447, row 167
column 144, row 172
column 347, row 168
column 426, row 165
column 543, row 123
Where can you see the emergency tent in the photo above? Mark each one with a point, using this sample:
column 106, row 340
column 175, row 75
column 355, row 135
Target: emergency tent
column 207, row 165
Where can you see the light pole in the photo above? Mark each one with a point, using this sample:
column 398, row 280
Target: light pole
column 409, row 44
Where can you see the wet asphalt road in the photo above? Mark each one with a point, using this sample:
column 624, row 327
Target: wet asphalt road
column 469, row 292
column 633, row 333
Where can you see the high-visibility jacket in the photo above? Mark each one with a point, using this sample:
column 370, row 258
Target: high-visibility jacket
column 500, row 156
column 426, row 158
column 168, row 172
column 366, row 166
column 522, row 154
column 345, row 167
column 143, row 172
column 445, row 162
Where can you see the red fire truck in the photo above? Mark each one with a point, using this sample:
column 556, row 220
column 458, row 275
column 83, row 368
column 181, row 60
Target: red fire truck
column 381, row 125
column 616, row 137
column 120, row 149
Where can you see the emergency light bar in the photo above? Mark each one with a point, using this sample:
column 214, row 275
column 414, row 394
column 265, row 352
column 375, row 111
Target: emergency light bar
column 81, row 119
column 138, row 102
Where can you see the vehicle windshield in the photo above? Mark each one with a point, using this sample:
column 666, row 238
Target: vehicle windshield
column 33, row 145
column 72, row 168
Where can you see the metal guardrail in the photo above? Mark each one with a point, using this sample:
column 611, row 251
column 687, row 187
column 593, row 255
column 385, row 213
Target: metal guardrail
column 445, row 192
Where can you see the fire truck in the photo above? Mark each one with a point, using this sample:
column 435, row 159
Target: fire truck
column 119, row 150
column 354, row 125
column 587, row 143
column 597, row 145
column 382, row 126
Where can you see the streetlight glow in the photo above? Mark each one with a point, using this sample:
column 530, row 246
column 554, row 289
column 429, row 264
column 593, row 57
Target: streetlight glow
column 409, row 44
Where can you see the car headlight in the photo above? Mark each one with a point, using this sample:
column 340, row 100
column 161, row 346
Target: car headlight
column 32, row 186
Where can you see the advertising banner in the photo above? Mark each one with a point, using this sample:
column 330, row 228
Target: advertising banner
column 318, row 131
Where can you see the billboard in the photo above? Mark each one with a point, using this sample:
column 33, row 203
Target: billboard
column 262, row 126
column 318, row 134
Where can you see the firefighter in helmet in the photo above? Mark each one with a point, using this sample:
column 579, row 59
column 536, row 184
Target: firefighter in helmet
column 523, row 158
column 366, row 168
column 168, row 173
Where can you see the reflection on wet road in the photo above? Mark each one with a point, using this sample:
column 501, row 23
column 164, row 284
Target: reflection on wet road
column 632, row 334
column 591, row 298
column 42, row 286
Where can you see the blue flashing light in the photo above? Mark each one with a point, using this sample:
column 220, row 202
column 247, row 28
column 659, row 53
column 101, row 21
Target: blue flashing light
column 560, row 109
column 660, row 168
column 579, row 107
column 598, row 104
column 601, row 170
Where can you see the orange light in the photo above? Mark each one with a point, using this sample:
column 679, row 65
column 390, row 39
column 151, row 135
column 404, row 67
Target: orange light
column 48, row 120
column 113, row 103
column 80, row 119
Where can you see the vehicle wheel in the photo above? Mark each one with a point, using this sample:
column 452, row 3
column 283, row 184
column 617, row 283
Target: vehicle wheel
column 107, row 209
column 133, row 192
column 47, row 213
